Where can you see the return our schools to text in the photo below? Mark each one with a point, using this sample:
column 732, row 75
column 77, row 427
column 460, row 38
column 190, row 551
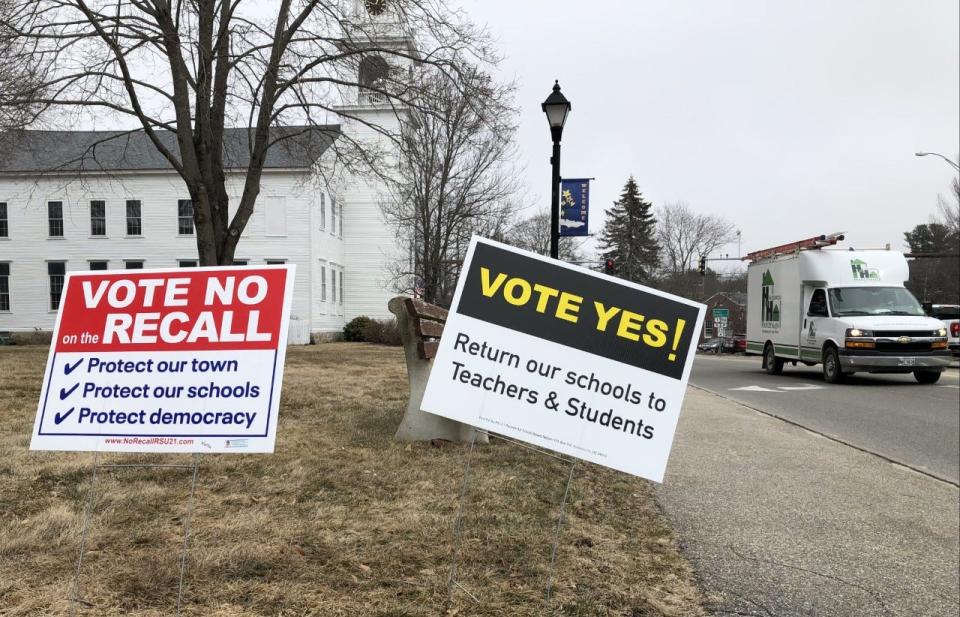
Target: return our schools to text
column 573, row 407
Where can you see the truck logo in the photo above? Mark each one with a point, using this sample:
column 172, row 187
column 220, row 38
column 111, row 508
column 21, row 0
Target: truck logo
column 862, row 272
column 904, row 339
column 770, row 304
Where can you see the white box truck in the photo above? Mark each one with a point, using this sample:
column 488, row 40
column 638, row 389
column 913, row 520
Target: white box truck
column 847, row 310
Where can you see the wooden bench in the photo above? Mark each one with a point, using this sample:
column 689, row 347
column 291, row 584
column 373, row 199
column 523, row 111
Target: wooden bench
column 421, row 326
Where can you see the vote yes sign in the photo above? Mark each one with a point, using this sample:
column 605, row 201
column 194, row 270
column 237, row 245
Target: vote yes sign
column 565, row 358
column 185, row 360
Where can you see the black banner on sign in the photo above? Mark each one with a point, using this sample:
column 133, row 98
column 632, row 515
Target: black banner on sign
column 585, row 312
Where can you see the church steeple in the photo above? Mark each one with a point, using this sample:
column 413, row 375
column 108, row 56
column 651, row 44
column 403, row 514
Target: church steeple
column 387, row 52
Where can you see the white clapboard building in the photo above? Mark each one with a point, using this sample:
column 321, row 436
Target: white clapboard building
column 102, row 200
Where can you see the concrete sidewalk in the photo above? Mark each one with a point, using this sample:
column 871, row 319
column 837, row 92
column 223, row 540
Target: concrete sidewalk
column 780, row 521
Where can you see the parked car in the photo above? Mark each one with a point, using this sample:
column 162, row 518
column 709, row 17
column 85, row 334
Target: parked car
column 949, row 314
column 726, row 344
column 735, row 344
column 712, row 345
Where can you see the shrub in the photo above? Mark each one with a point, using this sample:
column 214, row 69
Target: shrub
column 354, row 330
column 385, row 332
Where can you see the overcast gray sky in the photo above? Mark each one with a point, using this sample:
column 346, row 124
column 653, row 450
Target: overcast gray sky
column 790, row 118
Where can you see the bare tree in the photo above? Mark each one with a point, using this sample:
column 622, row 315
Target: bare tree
column 456, row 179
column 533, row 234
column 685, row 235
column 18, row 80
column 196, row 67
column 950, row 208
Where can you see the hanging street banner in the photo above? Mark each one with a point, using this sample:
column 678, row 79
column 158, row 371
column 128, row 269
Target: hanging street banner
column 565, row 358
column 182, row 360
column 574, row 207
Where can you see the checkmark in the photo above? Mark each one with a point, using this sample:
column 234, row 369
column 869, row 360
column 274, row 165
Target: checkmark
column 67, row 369
column 65, row 393
column 58, row 418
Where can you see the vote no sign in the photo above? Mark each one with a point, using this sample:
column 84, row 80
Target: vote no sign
column 186, row 360
column 565, row 358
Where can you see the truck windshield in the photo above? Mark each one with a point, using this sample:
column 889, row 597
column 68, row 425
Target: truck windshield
column 873, row 301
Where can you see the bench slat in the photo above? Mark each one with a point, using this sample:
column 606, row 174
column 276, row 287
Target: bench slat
column 427, row 349
column 429, row 329
column 425, row 311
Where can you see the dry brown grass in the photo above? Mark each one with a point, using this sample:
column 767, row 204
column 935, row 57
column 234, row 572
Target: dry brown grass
column 341, row 520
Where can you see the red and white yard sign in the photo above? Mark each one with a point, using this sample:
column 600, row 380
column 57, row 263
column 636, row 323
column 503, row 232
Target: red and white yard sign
column 185, row 360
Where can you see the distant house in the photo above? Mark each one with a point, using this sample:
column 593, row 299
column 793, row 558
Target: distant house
column 107, row 200
column 726, row 314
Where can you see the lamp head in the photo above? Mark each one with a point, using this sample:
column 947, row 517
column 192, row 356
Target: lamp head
column 556, row 107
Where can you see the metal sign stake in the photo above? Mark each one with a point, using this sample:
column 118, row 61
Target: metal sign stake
column 186, row 530
column 458, row 522
column 75, row 596
column 556, row 537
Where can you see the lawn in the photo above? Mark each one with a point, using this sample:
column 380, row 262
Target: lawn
column 341, row 520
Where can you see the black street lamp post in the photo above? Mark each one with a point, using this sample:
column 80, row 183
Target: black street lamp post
column 556, row 107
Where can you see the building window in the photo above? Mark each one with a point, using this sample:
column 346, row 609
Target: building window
column 134, row 224
column 98, row 265
column 133, row 265
column 708, row 328
column 333, row 285
column 239, row 262
column 55, row 219
column 323, row 211
column 188, row 263
column 276, row 262
column 341, row 286
column 333, row 215
column 4, row 287
column 185, row 217
column 98, row 217
column 276, row 216
column 56, row 270
column 4, row 229
column 323, row 283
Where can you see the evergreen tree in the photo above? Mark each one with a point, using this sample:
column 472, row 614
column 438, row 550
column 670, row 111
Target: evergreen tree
column 629, row 236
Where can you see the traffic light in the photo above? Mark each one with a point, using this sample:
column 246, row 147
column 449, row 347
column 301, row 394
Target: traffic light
column 609, row 267
column 703, row 265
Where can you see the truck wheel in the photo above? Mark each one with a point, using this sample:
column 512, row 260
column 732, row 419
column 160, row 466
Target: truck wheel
column 831, row 366
column 771, row 363
column 927, row 376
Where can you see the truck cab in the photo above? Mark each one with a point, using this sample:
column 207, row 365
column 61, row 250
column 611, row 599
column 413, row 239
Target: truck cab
column 845, row 310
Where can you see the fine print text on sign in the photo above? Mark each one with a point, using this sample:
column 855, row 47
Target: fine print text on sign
column 565, row 358
column 188, row 360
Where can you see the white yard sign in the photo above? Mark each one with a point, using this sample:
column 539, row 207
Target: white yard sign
column 188, row 360
column 565, row 359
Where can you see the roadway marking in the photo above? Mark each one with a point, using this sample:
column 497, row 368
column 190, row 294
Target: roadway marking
column 802, row 388
column 755, row 389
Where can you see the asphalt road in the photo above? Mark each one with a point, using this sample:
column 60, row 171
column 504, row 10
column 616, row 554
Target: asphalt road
column 889, row 415
column 780, row 521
